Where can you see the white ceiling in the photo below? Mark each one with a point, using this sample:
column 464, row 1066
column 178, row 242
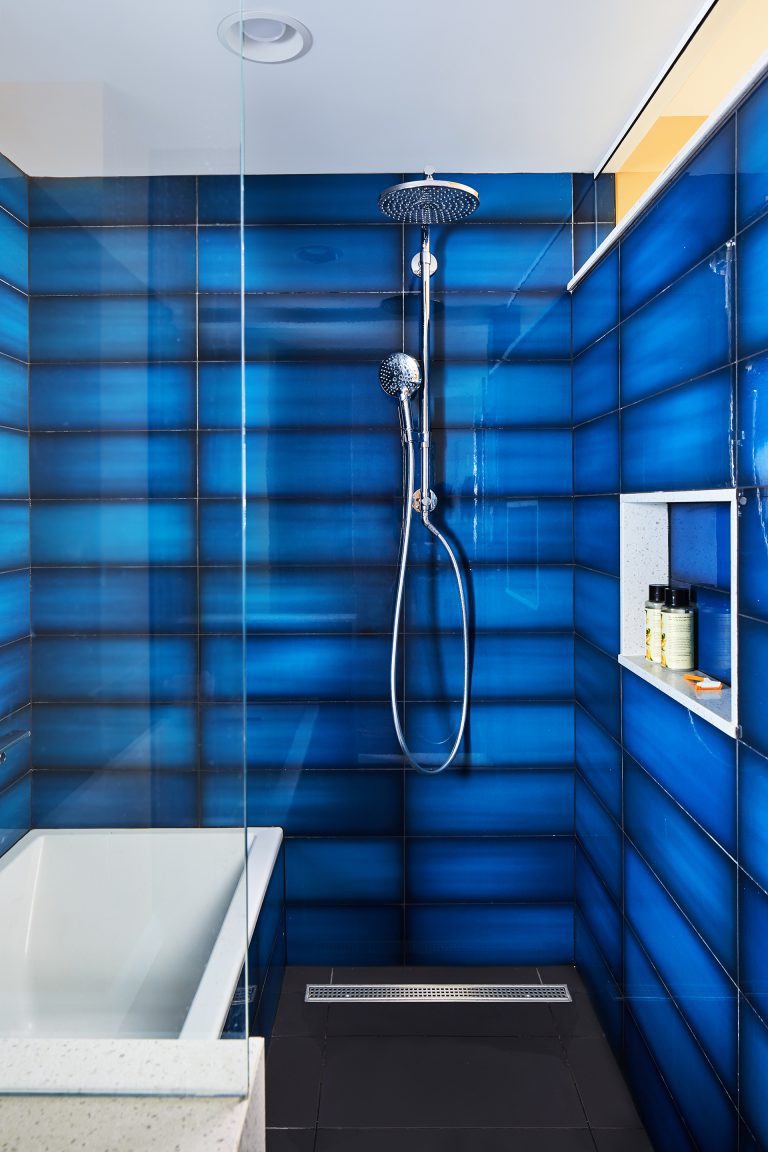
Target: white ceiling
column 92, row 87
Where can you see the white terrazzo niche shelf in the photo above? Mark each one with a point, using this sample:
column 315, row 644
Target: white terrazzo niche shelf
column 644, row 544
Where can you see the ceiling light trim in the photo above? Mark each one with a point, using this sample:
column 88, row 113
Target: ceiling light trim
column 294, row 42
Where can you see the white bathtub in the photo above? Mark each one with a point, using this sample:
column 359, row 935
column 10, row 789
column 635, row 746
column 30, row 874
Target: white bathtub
column 127, row 933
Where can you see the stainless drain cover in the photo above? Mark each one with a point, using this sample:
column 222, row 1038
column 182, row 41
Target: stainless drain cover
column 440, row 993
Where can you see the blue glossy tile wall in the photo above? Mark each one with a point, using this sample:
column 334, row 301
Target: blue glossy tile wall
column 137, row 597
column 688, row 801
column 14, row 492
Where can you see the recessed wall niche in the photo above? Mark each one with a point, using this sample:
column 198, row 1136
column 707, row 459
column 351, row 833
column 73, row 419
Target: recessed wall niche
column 684, row 538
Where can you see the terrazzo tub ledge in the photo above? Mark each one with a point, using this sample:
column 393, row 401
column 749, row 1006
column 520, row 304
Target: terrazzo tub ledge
column 123, row 959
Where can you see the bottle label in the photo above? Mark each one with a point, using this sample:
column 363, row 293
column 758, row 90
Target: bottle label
column 653, row 635
column 677, row 640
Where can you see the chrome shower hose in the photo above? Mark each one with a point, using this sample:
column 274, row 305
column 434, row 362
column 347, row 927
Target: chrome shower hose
column 408, row 444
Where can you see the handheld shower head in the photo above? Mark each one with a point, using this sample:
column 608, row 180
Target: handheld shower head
column 399, row 374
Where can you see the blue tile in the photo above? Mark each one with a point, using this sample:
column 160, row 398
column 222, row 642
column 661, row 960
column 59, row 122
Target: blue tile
column 512, row 395
column 704, row 995
column 490, row 802
column 85, row 464
column 18, row 758
column 14, row 677
column 753, row 940
column 605, row 197
column 343, row 871
column 597, row 686
column 693, row 868
column 14, row 606
column 598, row 759
column 14, row 393
column 753, row 685
column 342, row 935
column 14, row 813
column 753, row 814
column 752, row 154
column 660, row 1117
column 316, row 259
column 112, row 670
column 298, row 599
column 587, row 237
column 596, row 302
column 475, row 326
column 596, row 456
column 465, row 871
column 697, row 455
column 506, row 667
column 14, row 534
column 304, row 327
column 342, row 463
column 505, row 599
column 603, row 987
column 119, row 328
column 692, row 218
column 289, row 667
column 14, row 242
column 133, row 736
column 13, row 189
column 752, row 432
column 113, row 799
column 284, row 534
column 597, row 609
column 596, row 532
column 82, row 201
column 504, row 463
column 355, row 803
column 600, row 837
column 753, row 1044
column 700, row 544
column 489, row 934
column 82, row 600
column 14, row 323
column 709, row 1113
column 751, row 327
column 512, row 530
column 313, row 199
column 499, row 257
column 712, row 633
column 600, row 913
column 90, row 261
column 584, row 198
column 313, row 734
column 14, row 464
column 112, row 532
column 682, row 333
column 695, row 762
column 543, row 732
column 312, row 395
column 596, row 379
column 519, row 196
column 753, row 551
column 112, row 396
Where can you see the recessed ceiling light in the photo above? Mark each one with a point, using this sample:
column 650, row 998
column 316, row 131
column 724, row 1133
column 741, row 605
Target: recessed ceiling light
column 265, row 37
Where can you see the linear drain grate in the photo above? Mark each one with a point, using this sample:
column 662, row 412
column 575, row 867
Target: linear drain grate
column 440, row 993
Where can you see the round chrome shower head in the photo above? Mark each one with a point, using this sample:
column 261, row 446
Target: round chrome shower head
column 400, row 373
column 429, row 201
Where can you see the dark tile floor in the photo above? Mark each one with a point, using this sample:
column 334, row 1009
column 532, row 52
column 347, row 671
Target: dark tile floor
column 444, row 1077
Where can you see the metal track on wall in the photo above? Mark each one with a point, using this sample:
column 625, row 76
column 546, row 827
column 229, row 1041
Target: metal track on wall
column 440, row 993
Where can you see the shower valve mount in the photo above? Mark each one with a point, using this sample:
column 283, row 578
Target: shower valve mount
column 416, row 265
column 424, row 506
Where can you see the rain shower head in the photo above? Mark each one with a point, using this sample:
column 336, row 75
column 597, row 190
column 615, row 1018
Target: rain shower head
column 400, row 373
column 429, row 201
